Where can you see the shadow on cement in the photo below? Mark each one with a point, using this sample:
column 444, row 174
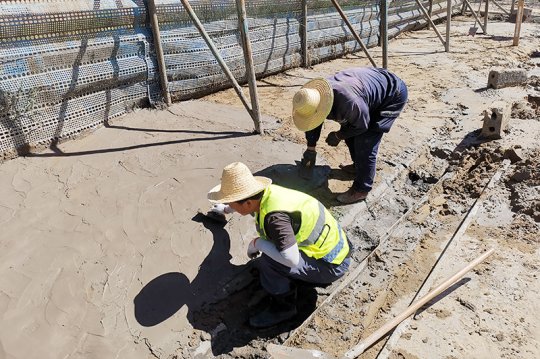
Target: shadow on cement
column 221, row 136
column 216, row 303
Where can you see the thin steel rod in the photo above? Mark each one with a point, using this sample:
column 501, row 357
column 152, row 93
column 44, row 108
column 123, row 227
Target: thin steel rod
column 159, row 53
column 349, row 25
column 424, row 11
column 214, row 50
column 250, row 69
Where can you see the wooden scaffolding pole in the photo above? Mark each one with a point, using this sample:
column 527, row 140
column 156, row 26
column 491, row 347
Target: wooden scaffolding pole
column 304, row 35
column 219, row 59
column 424, row 11
column 486, row 12
column 250, row 69
column 351, row 29
column 448, row 25
column 519, row 19
column 474, row 15
column 384, row 32
column 159, row 52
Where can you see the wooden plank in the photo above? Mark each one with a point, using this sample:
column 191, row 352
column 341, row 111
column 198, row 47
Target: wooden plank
column 384, row 32
column 424, row 11
column 448, row 24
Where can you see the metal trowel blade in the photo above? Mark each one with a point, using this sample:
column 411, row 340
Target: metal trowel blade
column 283, row 352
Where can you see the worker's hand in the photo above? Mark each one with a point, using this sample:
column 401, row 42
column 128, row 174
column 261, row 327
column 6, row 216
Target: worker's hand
column 333, row 139
column 252, row 251
column 308, row 159
column 221, row 208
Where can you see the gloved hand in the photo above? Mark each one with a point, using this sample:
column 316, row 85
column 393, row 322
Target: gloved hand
column 221, row 208
column 308, row 159
column 333, row 139
column 252, row 251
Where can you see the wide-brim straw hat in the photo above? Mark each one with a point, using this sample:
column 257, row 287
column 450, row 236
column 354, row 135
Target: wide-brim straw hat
column 312, row 104
column 237, row 183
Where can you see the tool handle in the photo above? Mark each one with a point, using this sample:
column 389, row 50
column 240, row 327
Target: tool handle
column 367, row 342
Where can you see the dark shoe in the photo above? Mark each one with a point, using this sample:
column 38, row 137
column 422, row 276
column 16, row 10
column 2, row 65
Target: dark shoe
column 352, row 196
column 350, row 169
column 281, row 308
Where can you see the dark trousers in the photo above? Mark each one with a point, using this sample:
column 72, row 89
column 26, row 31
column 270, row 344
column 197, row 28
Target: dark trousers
column 276, row 277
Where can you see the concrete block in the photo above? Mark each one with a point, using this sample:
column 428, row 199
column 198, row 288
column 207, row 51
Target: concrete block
column 499, row 78
column 496, row 120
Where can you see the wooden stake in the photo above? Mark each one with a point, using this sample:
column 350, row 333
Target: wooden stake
column 384, row 32
column 220, row 60
column 519, row 19
column 424, row 11
column 486, row 12
column 351, row 29
column 370, row 340
column 448, row 25
column 159, row 52
column 304, row 35
column 475, row 15
column 250, row 69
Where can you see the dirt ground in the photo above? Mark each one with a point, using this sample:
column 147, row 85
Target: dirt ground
column 103, row 253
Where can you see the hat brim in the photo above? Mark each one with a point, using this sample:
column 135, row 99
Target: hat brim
column 307, row 123
column 215, row 195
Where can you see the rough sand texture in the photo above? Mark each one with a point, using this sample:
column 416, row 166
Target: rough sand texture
column 101, row 256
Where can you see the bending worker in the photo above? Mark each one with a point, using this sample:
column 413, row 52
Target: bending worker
column 299, row 238
column 365, row 102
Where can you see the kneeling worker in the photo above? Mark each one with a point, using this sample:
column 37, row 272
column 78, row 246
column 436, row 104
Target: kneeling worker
column 299, row 238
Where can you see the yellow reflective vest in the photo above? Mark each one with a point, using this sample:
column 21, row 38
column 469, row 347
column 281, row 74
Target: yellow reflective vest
column 319, row 235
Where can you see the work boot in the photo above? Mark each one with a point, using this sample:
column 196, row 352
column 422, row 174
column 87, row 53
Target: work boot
column 307, row 165
column 352, row 196
column 282, row 307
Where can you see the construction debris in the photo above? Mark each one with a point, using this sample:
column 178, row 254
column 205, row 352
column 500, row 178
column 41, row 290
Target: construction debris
column 496, row 120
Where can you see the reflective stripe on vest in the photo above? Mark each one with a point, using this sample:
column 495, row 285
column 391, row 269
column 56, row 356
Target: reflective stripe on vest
column 317, row 229
column 334, row 252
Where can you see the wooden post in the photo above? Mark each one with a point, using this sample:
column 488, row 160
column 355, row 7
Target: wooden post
column 424, row 11
column 220, row 60
column 448, row 25
column 430, row 12
column 159, row 52
column 304, row 35
column 351, row 29
column 384, row 32
column 486, row 12
column 519, row 19
column 250, row 69
column 500, row 7
column 475, row 15
column 512, row 8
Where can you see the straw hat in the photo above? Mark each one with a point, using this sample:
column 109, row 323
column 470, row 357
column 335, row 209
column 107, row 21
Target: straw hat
column 312, row 103
column 237, row 183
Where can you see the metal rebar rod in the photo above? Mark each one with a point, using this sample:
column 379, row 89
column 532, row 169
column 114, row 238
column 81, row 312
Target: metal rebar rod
column 250, row 69
column 159, row 52
column 214, row 50
column 349, row 25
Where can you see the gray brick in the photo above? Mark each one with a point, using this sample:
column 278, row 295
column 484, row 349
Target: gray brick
column 499, row 78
